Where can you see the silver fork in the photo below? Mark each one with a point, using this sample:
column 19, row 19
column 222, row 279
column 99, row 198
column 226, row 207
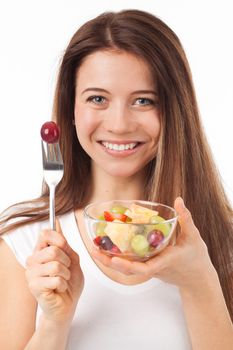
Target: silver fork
column 53, row 170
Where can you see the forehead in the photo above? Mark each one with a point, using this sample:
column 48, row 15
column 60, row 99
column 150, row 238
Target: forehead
column 118, row 68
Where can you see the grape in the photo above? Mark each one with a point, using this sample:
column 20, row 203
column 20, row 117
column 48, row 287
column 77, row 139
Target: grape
column 100, row 227
column 156, row 218
column 140, row 245
column 159, row 225
column 49, row 132
column 155, row 237
column 106, row 243
column 118, row 210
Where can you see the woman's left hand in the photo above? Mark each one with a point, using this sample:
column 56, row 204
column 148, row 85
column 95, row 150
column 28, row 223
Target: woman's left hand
column 183, row 264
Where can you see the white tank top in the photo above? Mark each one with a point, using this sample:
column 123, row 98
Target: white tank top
column 109, row 315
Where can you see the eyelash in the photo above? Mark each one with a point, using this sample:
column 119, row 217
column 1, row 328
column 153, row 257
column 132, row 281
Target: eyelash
column 92, row 99
column 149, row 101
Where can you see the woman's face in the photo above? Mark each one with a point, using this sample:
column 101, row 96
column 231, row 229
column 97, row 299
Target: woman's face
column 116, row 112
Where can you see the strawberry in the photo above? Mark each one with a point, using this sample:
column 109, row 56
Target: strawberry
column 108, row 216
column 114, row 216
column 97, row 240
column 121, row 217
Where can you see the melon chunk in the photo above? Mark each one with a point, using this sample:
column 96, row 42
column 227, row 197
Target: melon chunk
column 121, row 234
column 139, row 214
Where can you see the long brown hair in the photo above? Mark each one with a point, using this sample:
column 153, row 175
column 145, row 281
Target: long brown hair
column 183, row 165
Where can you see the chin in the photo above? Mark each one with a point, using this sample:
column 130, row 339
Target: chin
column 122, row 171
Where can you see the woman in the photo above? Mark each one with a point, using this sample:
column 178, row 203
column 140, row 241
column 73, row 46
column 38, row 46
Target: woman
column 124, row 79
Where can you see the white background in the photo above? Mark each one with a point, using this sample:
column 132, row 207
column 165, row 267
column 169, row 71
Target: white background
column 33, row 35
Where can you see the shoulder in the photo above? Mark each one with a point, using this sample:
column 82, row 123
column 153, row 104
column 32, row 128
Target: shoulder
column 22, row 240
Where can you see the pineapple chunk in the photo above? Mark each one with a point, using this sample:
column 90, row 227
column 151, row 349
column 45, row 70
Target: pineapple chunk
column 140, row 214
column 121, row 234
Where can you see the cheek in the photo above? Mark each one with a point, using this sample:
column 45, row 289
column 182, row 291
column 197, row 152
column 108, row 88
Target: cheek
column 152, row 127
column 85, row 122
column 156, row 130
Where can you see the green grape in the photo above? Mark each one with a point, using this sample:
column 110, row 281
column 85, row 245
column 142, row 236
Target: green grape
column 118, row 210
column 140, row 245
column 156, row 218
column 100, row 227
column 164, row 228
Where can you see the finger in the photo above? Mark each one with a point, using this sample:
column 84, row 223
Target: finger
column 184, row 217
column 51, row 269
column 58, row 227
column 127, row 267
column 102, row 257
column 67, row 248
column 41, row 285
column 51, row 253
column 49, row 237
column 110, row 262
column 147, row 268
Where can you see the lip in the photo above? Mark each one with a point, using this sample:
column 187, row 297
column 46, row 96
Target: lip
column 121, row 154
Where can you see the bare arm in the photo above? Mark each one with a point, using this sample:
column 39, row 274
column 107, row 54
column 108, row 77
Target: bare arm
column 54, row 277
column 208, row 320
column 18, row 307
column 49, row 335
column 18, row 311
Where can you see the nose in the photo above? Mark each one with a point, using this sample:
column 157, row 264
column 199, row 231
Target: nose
column 119, row 119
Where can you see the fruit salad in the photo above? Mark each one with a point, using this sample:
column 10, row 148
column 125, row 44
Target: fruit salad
column 133, row 230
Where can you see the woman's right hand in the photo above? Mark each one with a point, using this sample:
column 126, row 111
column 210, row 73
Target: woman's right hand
column 54, row 276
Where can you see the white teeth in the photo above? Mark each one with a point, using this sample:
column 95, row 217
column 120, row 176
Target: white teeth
column 132, row 145
column 120, row 147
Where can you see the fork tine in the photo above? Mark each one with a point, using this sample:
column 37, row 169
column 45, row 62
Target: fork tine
column 50, row 153
column 59, row 156
column 44, row 157
column 53, row 154
column 53, row 171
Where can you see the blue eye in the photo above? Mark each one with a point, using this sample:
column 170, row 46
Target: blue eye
column 144, row 101
column 99, row 100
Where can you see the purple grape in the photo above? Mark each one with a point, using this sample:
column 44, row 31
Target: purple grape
column 155, row 237
column 106, row 243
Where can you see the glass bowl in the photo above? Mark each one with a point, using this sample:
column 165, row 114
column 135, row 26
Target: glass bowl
column 131, row 229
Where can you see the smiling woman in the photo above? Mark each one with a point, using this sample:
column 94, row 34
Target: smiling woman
column 129, row 129
column 120, row 126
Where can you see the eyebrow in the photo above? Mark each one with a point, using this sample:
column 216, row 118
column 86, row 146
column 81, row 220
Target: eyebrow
column 107, row 92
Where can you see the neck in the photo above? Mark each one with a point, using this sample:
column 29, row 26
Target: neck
column 107, row 187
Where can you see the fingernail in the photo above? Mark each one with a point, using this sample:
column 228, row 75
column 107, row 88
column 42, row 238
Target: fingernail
column 182, row 203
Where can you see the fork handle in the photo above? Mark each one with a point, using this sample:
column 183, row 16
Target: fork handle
column 52, row 207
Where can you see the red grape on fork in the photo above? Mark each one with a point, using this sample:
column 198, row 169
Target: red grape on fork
column 52, row 163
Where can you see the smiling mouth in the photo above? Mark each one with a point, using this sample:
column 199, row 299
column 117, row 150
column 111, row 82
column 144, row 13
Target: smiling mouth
column 120, row 146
